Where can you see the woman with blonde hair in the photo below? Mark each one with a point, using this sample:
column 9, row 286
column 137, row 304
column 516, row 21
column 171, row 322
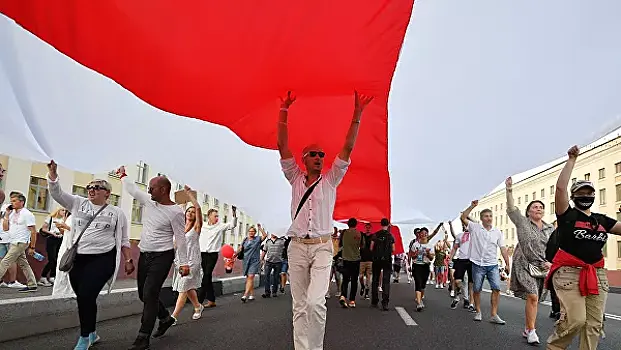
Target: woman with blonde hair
column 186, row 286
column 251, row 248
column 53, row 228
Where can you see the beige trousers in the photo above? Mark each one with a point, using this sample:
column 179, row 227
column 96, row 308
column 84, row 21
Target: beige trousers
column 17, row 254
column 309, row 275
column 579, row 315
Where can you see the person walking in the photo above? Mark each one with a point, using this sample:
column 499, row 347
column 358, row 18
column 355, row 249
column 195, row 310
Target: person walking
column 251, row 248
column 420, row 255
column 529, row 260
column 162, row 220
column 100, row 231
column 273, row 259
column 312, row 209
column 350, row 242
column 366, row 261
column 54, row 228
column 382, row 246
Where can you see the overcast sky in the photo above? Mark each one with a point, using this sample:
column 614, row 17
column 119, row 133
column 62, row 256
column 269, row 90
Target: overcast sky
column 483, row 89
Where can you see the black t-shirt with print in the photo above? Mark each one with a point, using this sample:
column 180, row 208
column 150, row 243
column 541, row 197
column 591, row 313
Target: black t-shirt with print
column 365, row 251
column 584, row 236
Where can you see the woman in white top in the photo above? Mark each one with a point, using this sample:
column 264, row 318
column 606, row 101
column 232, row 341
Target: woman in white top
column 54, row 228
column 187, row 285
column 99, row 250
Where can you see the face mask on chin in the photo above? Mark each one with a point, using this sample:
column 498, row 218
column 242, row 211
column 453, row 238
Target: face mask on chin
column 583, row 202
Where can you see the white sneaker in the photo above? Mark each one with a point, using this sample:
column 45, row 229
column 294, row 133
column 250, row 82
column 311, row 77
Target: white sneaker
column 43, row 282
column 380, row 289
column 452, row 294
column 198, row 313
column 287, row 283
column 437, row 286
column 441, row 285
column 497, row 320
column 52, row 280
column 17, row 285
column 532, row 337
column 478, row 317
column 4, row 285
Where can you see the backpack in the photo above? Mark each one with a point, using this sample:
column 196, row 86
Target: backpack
column 382, row 250
column 553, row 245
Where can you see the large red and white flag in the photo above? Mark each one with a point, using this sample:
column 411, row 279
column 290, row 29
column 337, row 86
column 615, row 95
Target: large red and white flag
column 223, row 62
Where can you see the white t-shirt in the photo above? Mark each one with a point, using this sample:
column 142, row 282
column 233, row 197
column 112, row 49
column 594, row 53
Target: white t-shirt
column 212, row 236
column 99, row 236
column 423, row 250
column 463, row 245
column 484, row 244
column 19, row 223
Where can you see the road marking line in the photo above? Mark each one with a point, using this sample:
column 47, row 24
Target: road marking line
column 547, row 303
column 409, row 321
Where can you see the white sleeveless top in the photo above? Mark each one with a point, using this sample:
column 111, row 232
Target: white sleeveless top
column 194, row 250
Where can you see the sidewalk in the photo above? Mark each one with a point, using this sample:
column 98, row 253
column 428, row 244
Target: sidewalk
column 10, row 293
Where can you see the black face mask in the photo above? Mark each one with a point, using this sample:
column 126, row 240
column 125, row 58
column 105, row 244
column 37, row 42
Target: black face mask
column 584, row 202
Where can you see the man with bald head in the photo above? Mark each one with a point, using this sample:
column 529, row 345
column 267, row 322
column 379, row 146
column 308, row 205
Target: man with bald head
column 161, row 220
column 312, row 208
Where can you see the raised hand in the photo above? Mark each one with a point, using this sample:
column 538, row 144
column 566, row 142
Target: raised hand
column 361, row 101
column 509, row 183
column 121, row 171
column 573, row 152
column 52, row 169
column 187, row 189
column 474, row 203
column 285, row 103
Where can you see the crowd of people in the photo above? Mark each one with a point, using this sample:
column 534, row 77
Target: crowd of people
column 88, row 237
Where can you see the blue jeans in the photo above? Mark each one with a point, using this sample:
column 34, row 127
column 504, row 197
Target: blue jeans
column 274, row 279
column 285, row 267
column 479, row 273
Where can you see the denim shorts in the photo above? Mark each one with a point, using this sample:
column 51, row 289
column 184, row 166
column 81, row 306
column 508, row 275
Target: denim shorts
column 4, row 248
column 285, row 267
column 479, row 273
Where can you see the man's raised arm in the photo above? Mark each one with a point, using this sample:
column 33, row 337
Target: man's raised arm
column 283, row 128
column 360, row 103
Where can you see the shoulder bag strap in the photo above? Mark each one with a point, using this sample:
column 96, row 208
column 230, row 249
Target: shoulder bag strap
column 305, row 197
column 89, row 223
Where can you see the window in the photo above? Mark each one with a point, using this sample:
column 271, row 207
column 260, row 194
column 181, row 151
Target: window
column 114, row 199
column 496, row 207
column 179, row 187
column 500, row 206
column 552, row 190
column 136, row 212
column 500, row 219
column 80, row 191
column 225, row 209
column 534, row 195
column 38, row 198
column 543, row 193
column 496, row 221
column 602, row 173
column 618, row 168
column 552, row 207
column 506, row 235
column 206, row 198
column 619, row 219
column 573, row 181
column 587, row 176
column 618, row 249
column 618, row 188
column 143, row 172
column 602, row 196
column 216, row 202
column 519, row 200
column 526, row 199
column 513, row 234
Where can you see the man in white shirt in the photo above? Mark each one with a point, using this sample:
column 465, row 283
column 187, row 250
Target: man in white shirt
column 310, row 251
column 161, row 220
column 211, row 239
column 462, row 268
column 20, row 223
column 10, row 277
column 484, row 243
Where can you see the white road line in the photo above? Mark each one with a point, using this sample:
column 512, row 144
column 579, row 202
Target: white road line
column 409, row 321
column 608, row 316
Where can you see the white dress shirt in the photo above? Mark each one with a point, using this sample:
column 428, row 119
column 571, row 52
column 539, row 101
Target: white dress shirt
column 484, row 244
column 212, row 236
column 315, row 217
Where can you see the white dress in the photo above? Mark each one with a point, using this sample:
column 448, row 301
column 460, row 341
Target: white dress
column 193, row 280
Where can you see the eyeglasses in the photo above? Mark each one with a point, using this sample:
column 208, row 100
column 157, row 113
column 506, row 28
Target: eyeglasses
column 315, row 154
column 96, row 188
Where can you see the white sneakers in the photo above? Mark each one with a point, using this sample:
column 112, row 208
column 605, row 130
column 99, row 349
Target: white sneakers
column 531, row 336
column 43, row 282
column 198, row 312
column 15, row 285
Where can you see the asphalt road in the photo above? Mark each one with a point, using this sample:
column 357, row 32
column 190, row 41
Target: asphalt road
column 267, row 324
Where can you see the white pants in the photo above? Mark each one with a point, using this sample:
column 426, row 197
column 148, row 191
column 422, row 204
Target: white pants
column 309, row 275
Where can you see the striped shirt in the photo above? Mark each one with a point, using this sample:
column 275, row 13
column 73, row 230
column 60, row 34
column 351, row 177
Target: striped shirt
column 315, row 217
column 274, row 250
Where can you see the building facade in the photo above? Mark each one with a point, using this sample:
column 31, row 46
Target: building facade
column 599, row 162
column 30, row 178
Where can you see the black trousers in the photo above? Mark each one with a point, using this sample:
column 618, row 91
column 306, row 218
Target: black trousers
column 88, row 276
column 272, row 277
column 556, row 304
column 420, row 273
column 52, row 246
column 153, row 269
column 208, row 263
column 351, row 270
column 379, row 266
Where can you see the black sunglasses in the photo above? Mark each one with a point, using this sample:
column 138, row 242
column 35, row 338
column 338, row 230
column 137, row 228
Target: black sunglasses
column 316, row 153
column 95, row 188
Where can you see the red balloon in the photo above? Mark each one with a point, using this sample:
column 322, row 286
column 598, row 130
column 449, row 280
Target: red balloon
column 227, row 251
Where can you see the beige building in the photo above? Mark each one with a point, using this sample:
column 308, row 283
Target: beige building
column 599, row 162
column 30, row 178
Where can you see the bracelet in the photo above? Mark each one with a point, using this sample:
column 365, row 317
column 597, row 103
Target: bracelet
column 283, row 109
column 356, row 121
column 283, row 123
column 122, row 176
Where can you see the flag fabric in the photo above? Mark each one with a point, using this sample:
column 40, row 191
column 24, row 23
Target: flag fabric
column 227, row 63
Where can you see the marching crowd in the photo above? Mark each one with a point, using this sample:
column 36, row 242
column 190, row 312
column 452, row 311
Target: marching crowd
column 88, row 237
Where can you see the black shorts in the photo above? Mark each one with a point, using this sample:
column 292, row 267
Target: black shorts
column 462, row 266
column 396, row 268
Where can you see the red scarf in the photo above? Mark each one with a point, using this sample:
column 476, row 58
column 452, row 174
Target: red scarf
column 587, row 281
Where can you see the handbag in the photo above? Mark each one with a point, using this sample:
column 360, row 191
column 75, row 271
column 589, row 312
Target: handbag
column 49, row 227
column 305, row 197
column 67, row 260
column 536, row 271
column 240, row 255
